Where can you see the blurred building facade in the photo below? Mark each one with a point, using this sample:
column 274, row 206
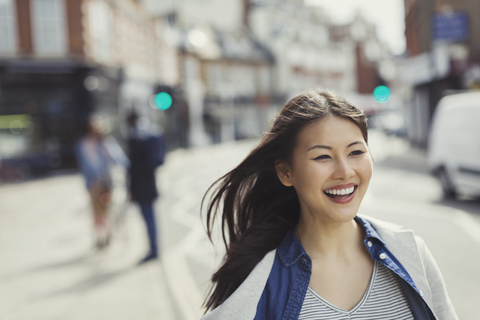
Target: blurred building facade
column 300, row 40
column 242, row 59
column 61, row 60
column 443, row 55
column 226, row 71
column 229, row 66
column 237, row 83
column 314, row 52
column 373, row 64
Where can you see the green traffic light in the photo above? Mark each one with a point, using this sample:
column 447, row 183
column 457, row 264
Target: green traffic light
column 382, row 94
column 163, row 101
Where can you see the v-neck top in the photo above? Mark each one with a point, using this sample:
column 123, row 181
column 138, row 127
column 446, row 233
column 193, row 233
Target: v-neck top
column 383, row 300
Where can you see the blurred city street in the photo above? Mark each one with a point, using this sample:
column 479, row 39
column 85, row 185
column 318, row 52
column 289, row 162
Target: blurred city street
column 84, row 82
column 51, row 271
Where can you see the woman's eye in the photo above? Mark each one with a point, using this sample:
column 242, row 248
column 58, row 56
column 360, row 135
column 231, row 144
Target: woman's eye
column 357, row 152
column 324, row 156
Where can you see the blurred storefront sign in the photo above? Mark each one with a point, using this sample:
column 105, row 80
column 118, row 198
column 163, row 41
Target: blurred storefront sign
column 450, row 26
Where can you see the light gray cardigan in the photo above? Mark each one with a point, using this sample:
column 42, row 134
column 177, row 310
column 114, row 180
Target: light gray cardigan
column 408, row 248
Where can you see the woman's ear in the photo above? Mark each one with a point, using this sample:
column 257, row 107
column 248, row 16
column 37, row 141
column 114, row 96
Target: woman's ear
column 283, row 173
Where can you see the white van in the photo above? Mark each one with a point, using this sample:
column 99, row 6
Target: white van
column 454, row 144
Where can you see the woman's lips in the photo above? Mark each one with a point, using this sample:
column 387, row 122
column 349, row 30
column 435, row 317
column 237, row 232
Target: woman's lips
column 342, row 199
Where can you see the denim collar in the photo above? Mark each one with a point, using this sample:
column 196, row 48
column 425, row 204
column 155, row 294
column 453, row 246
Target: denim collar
column 291, row 249
column 370, row 232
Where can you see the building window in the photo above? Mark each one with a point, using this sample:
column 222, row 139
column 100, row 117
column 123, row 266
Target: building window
column 101, row 30
column 49, row 26
column 7, row 26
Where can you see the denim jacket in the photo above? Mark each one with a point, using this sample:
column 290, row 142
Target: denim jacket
column 276, row 288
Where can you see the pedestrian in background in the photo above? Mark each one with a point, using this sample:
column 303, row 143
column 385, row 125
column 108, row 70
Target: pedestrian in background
column 146, row 150
column 296, row 247
column 96, row 152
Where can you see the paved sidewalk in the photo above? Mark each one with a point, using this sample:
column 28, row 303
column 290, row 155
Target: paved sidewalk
column 50, row 270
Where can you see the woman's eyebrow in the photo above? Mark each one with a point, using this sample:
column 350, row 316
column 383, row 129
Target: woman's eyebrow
column 319, row 146
column 354, row 143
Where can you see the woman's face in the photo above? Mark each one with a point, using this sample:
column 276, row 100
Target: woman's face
column 330, row 169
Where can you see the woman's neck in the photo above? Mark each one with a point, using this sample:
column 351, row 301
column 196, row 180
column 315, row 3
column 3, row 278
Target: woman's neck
column 329, row 239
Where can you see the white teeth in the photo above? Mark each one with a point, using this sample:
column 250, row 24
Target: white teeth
column 340, row 191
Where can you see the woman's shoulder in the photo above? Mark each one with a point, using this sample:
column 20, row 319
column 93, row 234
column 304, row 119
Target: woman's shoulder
column 242, row 304
column 395, row 236
column 388, row 230
column 378, row 224
column 407, row 246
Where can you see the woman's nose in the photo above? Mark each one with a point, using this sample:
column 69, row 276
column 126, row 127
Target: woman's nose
column 343, row 170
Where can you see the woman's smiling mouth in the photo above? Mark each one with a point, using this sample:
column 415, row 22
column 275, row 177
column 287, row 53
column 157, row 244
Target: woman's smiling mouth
column 341, row 194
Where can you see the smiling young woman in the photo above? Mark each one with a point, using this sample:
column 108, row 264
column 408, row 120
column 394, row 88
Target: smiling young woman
column 296, row 247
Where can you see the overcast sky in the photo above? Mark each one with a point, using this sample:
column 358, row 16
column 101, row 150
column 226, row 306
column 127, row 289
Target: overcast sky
column 387, row 15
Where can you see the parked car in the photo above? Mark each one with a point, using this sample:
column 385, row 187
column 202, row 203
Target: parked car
column 454, row 144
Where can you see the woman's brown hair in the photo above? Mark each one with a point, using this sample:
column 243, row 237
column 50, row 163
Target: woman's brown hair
column 256, row 208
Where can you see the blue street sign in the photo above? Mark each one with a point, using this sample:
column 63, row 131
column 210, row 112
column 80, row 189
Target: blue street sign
column 450, row 26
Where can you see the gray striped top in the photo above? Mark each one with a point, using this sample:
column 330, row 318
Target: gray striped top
column 384, row 300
